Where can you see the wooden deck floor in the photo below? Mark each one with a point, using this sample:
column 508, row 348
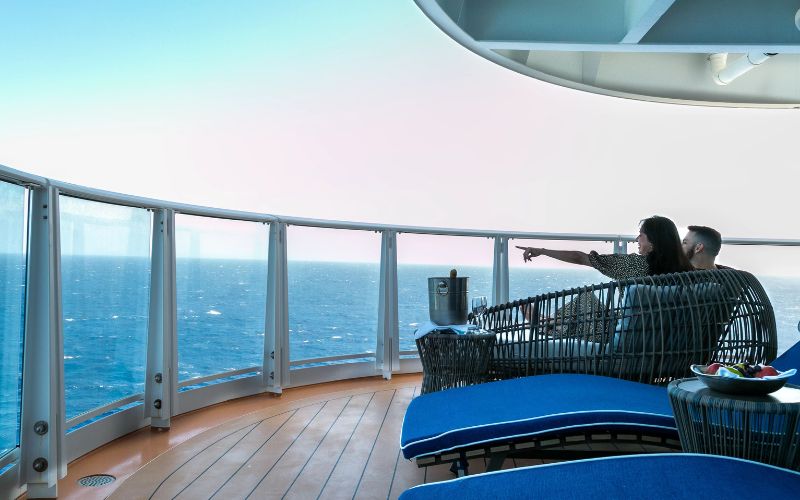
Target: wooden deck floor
column 336, row 440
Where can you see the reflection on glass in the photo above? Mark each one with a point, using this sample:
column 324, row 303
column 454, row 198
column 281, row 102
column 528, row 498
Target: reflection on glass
column 105, row 269
column 222, row 286
column 12, row 296
column 333, row 306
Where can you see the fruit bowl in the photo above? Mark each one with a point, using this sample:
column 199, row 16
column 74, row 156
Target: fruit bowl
column 742, row 385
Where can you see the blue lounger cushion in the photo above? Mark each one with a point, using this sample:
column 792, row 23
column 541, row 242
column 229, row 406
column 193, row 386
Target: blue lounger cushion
column 668, row 476
column 788, row 360
column 531, row 406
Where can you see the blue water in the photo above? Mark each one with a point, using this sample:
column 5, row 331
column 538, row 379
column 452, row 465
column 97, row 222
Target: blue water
column 333, row 310
column 12, row 282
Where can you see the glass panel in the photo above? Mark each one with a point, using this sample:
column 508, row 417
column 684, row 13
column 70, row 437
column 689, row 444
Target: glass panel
column 105, row 267
column 334, row 279
column 422, row 256
column 12, row 298
column 778, row 270
column 222, row 288
column 544, row 274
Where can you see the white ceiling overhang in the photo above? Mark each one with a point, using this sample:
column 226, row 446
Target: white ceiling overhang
column 656, row 50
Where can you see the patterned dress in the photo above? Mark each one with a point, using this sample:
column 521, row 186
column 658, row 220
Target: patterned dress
column 585, row 316
column 620, row 266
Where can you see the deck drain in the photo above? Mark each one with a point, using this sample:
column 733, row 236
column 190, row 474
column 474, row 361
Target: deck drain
column 96, row 480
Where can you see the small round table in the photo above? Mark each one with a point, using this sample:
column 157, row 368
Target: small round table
column 761, row 428
column 454, row 360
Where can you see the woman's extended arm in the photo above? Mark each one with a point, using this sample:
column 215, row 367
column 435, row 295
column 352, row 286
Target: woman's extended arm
column 571, row 256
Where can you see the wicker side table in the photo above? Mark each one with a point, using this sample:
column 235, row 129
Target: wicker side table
column 761, row 428
column 454, row 360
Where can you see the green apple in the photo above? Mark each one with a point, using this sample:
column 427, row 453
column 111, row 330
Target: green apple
column 732, row 369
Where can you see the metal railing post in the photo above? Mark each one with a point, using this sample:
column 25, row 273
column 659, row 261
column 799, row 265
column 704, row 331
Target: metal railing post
column 276, row 331
column 43, row 423
column 387, row 352
column 161, row 385
column 500, row 271
column 620, row 246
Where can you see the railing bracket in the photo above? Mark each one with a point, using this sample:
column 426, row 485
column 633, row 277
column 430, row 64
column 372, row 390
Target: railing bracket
column 40, row 427
column 40, row 464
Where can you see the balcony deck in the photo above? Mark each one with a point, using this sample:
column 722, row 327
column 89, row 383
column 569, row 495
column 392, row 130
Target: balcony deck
column 333, row 440
column 328, row 440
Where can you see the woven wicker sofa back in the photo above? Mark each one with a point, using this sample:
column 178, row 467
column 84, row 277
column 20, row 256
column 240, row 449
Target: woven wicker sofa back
column 647, row 329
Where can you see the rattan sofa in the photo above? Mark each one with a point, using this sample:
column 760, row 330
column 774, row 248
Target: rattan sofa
column 648, row 329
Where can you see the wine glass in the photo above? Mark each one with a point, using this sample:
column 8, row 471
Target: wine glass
column 478, row 306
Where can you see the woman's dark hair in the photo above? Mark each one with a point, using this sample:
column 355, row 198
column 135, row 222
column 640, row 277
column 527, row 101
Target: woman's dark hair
column 667, row 255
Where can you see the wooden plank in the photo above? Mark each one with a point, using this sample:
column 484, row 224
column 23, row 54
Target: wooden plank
column 527, row 462
column 384, row 455
column 279, row 478
column 247, row 478
column 183, row 474
column 406, row 472
column 319, row 467
column 441, row 472
column 344, row 479
column 219, row 473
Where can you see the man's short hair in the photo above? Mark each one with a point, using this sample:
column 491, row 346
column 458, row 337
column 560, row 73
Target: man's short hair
column 710, row 238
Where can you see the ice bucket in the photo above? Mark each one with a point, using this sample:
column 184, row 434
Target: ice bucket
column 447, row 300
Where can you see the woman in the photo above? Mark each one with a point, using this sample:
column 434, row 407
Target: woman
column 660, row 252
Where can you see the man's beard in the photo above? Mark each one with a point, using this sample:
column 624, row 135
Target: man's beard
column 690, row 253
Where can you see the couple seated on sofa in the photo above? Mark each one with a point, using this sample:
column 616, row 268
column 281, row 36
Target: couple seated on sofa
column 661, row 251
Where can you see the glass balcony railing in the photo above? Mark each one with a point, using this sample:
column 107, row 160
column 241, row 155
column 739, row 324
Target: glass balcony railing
column 105, row 269
column 778, row 270
column 12, row 300
column 333, row 305
column 221, row 268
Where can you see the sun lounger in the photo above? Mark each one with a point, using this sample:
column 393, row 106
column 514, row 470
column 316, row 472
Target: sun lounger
column 534, row 416
column 538, row 415
column 654, row 477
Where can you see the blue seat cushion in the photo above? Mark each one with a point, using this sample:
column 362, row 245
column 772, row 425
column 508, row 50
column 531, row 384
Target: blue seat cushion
column 668, row 476
column 531, row 406
column 788, row 360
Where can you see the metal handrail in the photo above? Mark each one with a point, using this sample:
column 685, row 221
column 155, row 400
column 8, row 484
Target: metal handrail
column 210, row 378
column 96, row 412
column 342, row 357
column 10, row 457
column 100, row 195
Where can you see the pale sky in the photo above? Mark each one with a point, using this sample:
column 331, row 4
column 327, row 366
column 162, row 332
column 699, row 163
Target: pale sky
column 365, row 111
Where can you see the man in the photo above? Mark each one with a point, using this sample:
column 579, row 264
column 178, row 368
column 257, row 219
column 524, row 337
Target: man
column 701, row 246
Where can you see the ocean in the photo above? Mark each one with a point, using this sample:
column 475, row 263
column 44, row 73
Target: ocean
column 333, row 310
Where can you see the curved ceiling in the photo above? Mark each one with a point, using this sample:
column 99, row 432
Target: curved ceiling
column 743, row 53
